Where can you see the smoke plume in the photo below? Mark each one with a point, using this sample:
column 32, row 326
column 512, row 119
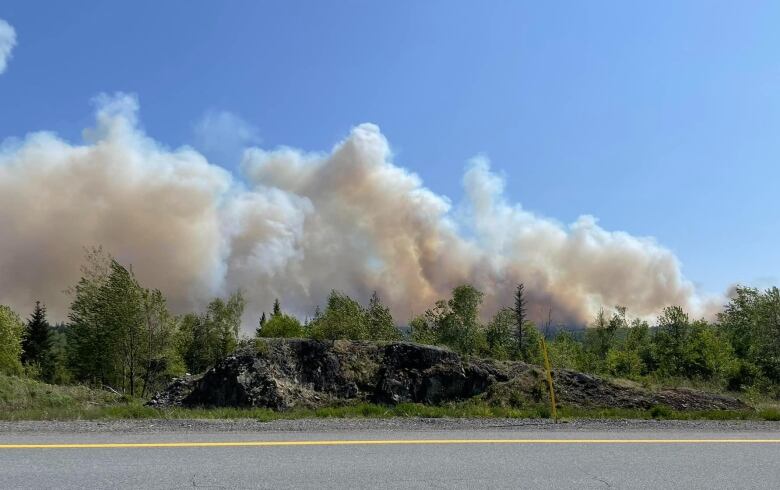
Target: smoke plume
column 299, row 225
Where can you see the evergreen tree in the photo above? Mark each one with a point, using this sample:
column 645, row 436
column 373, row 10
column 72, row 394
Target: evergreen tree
column 277, row 308
column 260, row 324
column 37, row 341
column 520, row 317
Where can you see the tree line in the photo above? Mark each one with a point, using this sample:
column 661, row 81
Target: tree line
column 122, row 336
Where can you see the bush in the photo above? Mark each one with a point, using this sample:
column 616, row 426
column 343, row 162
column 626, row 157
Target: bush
column 624, row 363
column 282, row 325
column 11, row 332
column 661, row 412
column 565, row 352
column 345, row 318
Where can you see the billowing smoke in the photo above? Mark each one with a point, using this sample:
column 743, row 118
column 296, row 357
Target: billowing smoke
column 298, row 226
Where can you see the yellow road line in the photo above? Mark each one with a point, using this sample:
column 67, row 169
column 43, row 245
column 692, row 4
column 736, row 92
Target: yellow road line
column 380, row 442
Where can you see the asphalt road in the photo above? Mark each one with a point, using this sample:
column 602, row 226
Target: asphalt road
column 487, row 457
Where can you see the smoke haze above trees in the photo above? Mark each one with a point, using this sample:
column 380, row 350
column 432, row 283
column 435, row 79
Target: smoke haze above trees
column 299, row 226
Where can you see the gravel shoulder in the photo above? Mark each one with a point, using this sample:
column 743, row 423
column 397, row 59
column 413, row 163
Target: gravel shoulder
column 324, row 425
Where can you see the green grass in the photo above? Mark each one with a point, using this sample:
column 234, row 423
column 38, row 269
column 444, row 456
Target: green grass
column 25, row 399
column 23, row 396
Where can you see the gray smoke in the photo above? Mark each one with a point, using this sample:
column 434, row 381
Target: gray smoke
column 303, row 224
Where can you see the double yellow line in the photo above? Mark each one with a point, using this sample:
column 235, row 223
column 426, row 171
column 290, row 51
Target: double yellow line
column 380, row 442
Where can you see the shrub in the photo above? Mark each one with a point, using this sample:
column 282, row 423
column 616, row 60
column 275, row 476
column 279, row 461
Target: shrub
column 661, row 412
column 281, row 325
column 624, row 363
column 11, row 333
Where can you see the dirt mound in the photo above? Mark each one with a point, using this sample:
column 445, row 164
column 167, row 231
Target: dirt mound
column 282, row 373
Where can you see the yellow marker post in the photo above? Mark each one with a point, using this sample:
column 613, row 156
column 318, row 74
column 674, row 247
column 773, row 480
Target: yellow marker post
column 550, row 387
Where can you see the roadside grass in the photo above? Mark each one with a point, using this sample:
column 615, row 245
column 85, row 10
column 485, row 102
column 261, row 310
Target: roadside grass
column 25, row 399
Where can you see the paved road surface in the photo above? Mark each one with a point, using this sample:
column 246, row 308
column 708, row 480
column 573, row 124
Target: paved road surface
column 536, row 458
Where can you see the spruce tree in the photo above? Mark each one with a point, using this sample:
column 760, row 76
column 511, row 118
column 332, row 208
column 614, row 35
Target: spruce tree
column 37, row 339
column 260, row 324
column 519, row 310
column 277, row 308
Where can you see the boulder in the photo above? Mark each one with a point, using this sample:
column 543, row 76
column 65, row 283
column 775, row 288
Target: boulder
column 286, row 373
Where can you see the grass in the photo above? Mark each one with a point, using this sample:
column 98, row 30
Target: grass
column 25, row 399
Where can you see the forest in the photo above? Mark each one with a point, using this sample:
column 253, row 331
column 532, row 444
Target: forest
column 121, row 336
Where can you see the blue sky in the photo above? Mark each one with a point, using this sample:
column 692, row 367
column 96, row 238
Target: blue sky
column 661, row 119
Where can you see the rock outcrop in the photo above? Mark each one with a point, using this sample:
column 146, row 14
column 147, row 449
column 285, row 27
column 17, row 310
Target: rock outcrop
column 285, row 373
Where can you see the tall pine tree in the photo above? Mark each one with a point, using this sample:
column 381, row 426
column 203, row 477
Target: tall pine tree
column 519, row 310
column 37, row 340
column 277, row 308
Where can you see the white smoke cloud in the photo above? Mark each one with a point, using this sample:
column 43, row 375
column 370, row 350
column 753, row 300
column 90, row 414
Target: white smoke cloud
column 7, row 43
column 306, row 223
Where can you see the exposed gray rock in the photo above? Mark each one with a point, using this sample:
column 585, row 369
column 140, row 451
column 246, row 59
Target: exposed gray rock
column 285, row 373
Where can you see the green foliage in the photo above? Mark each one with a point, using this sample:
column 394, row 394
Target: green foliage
column 89, row 348
column 24, row 398
column 36, row 345
column 11, row 334
column 565, row 352
column 121, row 334
column 379, row 321
column 624, row 363
column 345, row 318
column 520, row 319
column 207, row 338
column 121, row 315
column 277, row 310
column 159, row 353
column 197, row 343
column 661, row 412
column 458, row 323
column 708, row 355
column 282, row 325
column 751, row 322
column 640, row 342
column 453, row 323
column 532, row 350
column 260, row 324
column 601, row 336
column 224, row 317
column 58, row 357
column 691, row 349
column 671, row 341
column 499, row 334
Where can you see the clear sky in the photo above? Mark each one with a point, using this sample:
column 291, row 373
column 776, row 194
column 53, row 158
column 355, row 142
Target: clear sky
column 660, row 119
